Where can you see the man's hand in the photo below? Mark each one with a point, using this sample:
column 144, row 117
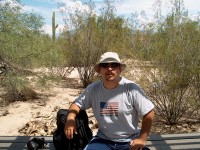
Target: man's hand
column 70, row 128
column 137, row 144
column 70, row 125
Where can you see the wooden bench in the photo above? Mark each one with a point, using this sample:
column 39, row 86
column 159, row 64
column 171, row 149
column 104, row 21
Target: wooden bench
column 190, row 141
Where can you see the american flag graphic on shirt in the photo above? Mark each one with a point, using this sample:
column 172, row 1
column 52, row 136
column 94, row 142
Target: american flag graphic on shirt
column 109, row 108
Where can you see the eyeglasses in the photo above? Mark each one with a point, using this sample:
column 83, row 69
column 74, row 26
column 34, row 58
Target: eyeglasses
column 107, row 65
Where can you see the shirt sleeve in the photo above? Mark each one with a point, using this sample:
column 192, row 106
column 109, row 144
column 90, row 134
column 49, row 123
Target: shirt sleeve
column 84, row 100
column 141, row 101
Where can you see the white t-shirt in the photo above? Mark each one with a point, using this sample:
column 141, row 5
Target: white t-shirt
column 117, row 110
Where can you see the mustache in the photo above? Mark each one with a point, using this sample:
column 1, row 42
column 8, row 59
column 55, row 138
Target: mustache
column 109, row 73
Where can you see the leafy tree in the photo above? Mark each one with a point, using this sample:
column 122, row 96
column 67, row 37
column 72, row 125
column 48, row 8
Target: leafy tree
column 90, row 37
column 81, row 45
column 166, row 54
column 176, row 55
column 23, row 47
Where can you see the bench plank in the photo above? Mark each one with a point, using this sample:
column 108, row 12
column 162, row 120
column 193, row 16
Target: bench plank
column 22, row 139
column 187, row 141
column 158, row 137
column 174, row 144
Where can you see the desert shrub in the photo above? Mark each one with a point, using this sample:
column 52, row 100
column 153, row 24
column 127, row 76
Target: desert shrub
column 171, row 45
column 17, row 89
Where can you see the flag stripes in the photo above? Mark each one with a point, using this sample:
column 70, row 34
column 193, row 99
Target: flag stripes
column 109, row 108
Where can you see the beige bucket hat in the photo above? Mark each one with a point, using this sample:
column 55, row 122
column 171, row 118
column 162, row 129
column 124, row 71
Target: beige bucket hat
column 109, row 57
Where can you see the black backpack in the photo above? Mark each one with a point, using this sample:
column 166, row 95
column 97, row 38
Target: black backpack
column 79, row 140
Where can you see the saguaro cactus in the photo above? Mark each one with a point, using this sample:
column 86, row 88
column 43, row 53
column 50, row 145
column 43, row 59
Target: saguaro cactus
column 53, row 27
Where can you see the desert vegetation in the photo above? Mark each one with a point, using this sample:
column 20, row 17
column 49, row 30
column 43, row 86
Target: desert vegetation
column 163, row 56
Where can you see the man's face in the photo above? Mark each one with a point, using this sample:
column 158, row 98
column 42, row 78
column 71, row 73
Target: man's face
column 110, row 71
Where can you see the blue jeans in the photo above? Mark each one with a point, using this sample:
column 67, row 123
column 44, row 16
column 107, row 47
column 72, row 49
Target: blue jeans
column 101, row 144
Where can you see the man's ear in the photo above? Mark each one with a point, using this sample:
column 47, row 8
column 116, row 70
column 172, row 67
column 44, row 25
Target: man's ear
column 98, row 70
column 120, row 69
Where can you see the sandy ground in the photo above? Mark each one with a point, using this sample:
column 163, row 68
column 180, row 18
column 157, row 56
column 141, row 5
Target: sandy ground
column 17, row 114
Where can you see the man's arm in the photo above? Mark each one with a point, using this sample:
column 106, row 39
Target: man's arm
column 70, row 125
column 140, row 142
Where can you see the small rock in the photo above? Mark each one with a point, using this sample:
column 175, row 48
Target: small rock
column 5, row 113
